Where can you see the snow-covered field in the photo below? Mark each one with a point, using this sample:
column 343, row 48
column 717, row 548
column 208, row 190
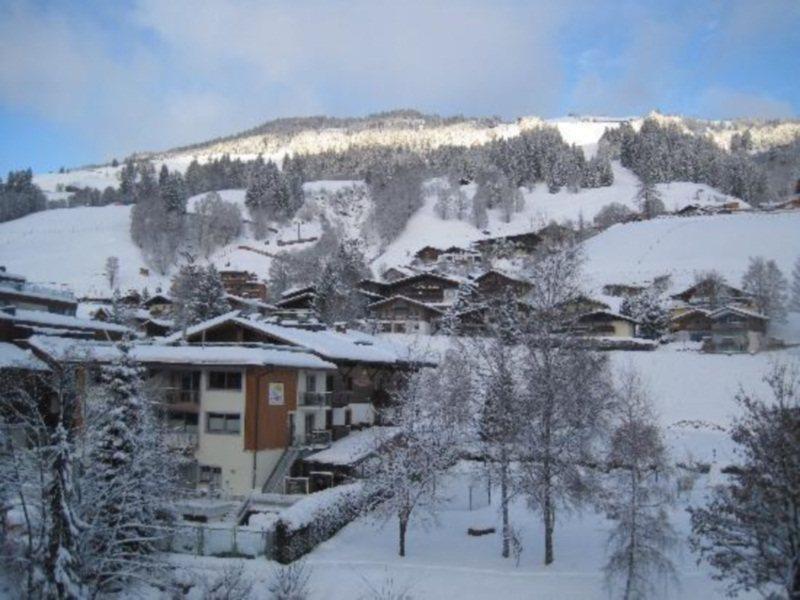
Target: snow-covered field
column 682, row 246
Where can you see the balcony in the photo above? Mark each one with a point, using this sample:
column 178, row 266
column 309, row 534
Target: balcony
column 181, row 400
column 338, row 399
column 181, row 439
column 316, row 398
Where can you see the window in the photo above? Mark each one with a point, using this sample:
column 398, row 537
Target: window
column 223, row 423
column 329, row 383
column 210, row 475
column 224, row 380
column 311, row 383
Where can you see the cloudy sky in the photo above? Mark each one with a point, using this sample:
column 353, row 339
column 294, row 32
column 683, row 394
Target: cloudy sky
column 87, row 81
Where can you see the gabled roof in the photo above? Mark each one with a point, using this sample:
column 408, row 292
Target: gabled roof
column 251, row 302
column 406, row 299
column 157, row 299
column 350, row 346
column 422, row 275
column 738, row 311
column 694, row 311
column 502, row 274
column 297, row 291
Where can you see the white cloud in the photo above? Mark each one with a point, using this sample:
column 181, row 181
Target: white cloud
column 723, row 103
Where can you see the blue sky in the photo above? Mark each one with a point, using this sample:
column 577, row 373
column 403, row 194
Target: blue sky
column 82, row 82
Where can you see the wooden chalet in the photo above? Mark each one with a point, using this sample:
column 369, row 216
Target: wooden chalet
column 605, row 323
column 709, row 294
column 691, row 325
column 158, row 304
column 430, row 288
column 494, row 283
column 399, row 314
column 300, row 299
column 243, row 284
column 737, row 329
column 510, row 245
column 427, row 255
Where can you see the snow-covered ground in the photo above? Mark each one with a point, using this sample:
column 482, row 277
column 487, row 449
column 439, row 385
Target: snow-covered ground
column 682, row 246
column 540, row 207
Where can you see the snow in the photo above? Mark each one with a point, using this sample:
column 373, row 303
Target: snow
column 233, row 196
column 333, row 345
column 13, row 357
column 215, row 355
column 69, row 246
column 682, row 246
column 425, row 228
column 310, row 507
column 354, row 448
column 39, row 317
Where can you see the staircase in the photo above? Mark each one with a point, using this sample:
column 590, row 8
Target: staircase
column 274, row 483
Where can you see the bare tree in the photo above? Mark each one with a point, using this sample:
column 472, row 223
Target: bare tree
column 637, row 496
column 794, row 301
column 566, row 402
column 112, row 271
column 764, row 281
column 409, row 460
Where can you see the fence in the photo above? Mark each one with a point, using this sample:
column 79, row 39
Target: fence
column 209, row 539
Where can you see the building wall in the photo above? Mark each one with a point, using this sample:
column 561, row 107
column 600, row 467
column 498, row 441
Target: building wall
column 225, row 450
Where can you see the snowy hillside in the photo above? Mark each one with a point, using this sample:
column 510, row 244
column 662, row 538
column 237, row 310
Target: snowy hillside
column 541, row 207
column 69, row 247
column 682, row 246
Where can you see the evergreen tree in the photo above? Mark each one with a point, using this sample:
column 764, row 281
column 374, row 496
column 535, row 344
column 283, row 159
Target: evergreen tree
column 197, row 294
column 649, row 199
column 649, row 310
column 338, row 297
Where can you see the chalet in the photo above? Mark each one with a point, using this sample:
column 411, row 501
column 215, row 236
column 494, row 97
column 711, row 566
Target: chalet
column 605, row 323
column 427, row 255
column 159, row 305
column 298, row 299
column 553, row 232
column 249, row 305
column 430, row 288
column 691, row 325
column 16, row 291
column 399, row 314
column 523, row 244
column 737, row 329
column 494, row 283
column 459, row 257
column 395, row 273
column 793, row 204
column 476, row 319
column 581, row 304
column 709, row 294
column 243, row 284
column 20, row 324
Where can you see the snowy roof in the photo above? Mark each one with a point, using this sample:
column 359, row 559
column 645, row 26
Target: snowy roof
column 219, row 355
column 39, row 317
column 354, row 448
column 354, row 346
column 694, row 311
column 34, row 291
column 13, row 357
column 407, row 299
column 739, row 311
column 249, row 302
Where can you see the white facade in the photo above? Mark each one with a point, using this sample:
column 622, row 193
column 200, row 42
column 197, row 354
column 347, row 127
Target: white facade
column 225, row 450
